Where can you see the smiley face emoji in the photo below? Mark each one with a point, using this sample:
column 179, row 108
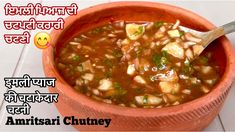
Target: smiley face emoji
column 42, row 40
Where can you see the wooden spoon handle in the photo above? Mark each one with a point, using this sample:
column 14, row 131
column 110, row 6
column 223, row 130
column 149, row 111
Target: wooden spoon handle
column 218, row 32
column 229, row 28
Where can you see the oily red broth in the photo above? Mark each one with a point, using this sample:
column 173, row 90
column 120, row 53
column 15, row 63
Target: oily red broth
column 137, row 64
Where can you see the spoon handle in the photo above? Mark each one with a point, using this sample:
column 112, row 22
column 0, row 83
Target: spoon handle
column 218, row 32
column 229, row 28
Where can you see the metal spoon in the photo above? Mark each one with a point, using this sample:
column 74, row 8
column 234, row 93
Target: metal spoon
column 209, row 36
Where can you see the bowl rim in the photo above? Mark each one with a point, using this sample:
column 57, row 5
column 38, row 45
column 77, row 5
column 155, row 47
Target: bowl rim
column 220, row 90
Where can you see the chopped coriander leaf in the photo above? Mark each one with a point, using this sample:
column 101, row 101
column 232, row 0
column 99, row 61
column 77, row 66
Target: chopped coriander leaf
column 108, row 62
column 164, row 60
column 76, row 58
column 139, row 51
column 161, row 66
column 117, row 53
column 156, row 58
column 97, row 30
column 108, row 74
column 145, row 99
column 181, row 32
column 117, row 85
column 158, row 24
column 119, row 91
column 160, row 61
column 151, row 78
column 139, row 31
column 187, row 68
column 164, row 53
column 187, row 62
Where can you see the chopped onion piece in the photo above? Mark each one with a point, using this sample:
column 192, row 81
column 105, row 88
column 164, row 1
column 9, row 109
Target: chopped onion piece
column 174, row 49
column 88, row 76
column 205, row 89
column 105, row 85
column 172, row 98
column 79, row 82
column 206, row 69
column 112, row 35
column 102, row 39
column 108, row 101
column 125, row 42
column 148, row 100
column 134, row 31
column 149, row 26
column 165, row 42
column 87, row 47
column 183, row 76
column 189, row 54
column 87, row 66
column 109, row 56
column 190, row 43
column 123, row 105
column 95, row 92
column 186, row 91
column 162, row 29
column 178, row 64
column 210, row 82
column 131, row 69
column 139, row 79
column 133, row 105
column 176, row 25
column 158, row 35
column 169, row 87
column 145, row 37
column 174, row 33
column 96, row 97
column 194, row 80
column 176, row 103
column 84, row 36
column 74, row 43
column 99, row 67
column 119, row 24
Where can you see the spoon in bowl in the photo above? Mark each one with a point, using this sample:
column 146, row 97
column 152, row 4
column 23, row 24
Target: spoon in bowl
column 209, row 36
